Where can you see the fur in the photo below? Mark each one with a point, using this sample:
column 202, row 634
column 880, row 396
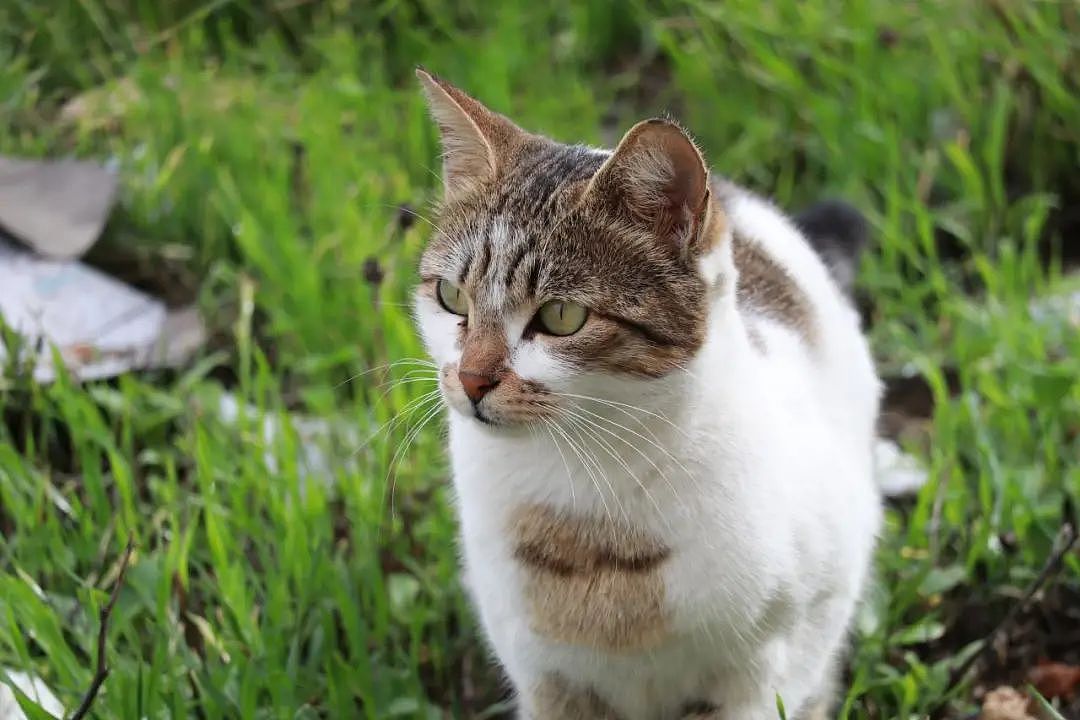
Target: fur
column 670, row 513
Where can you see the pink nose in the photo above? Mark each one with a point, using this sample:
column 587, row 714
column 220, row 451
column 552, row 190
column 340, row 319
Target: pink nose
column 477, row 385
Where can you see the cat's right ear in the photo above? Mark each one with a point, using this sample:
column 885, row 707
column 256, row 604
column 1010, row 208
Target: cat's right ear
column 475, row 140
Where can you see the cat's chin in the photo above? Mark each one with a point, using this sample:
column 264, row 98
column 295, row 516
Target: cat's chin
column 478, row 418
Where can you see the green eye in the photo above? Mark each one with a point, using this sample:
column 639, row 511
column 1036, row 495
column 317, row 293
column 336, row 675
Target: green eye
column 560, row 317
column 452, row 298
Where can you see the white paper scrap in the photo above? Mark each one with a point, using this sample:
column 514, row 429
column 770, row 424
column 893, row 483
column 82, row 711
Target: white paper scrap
column 100, row 326
column 32, row 687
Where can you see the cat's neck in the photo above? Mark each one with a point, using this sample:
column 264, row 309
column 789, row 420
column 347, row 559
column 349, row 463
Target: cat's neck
column 644, row 455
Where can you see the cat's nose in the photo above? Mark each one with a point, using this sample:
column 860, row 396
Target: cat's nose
column 477, row 385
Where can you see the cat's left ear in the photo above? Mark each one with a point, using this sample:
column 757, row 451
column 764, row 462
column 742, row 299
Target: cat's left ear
column 659, row 177
column 475, row 140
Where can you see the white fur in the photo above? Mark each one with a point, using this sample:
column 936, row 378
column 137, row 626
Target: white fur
column 763, row 490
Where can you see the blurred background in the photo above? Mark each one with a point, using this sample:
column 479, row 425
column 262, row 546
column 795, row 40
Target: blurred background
column 284, row 482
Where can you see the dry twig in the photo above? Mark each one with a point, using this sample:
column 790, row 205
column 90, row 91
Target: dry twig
column 102, row 671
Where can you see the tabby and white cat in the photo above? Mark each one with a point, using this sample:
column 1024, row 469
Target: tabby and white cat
column 662, row 425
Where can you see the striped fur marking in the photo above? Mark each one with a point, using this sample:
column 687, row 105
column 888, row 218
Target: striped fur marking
column 591, row 581
column 555, row 698
column 767, row 288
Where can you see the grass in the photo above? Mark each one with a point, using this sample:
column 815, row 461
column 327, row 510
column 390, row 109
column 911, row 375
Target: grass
column 266, row 153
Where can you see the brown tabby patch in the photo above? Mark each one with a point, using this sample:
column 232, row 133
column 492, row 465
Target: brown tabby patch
column 591, row 581
column 708, row 711
column 701, row 710
column 756, row 338
column 554, row 698
column 767, row 288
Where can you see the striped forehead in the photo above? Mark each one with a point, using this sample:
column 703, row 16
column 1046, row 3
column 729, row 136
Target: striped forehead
column 502, row 266
column 495, row 250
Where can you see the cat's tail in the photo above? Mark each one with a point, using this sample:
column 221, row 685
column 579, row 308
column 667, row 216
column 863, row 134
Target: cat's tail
column 838, row 232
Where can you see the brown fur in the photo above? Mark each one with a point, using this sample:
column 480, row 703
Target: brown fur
column 475, row 140
column 611, row 231
column 484, row 352
column 648, row 309
column 767, row 288
column 756, row 338
column 591, row 581
column 555, row 698
column 526, row 220
column 522, row 402
column 708, row 711
column 658, row 176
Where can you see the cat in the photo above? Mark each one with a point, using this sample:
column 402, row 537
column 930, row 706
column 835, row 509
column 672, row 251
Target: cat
column 661, row 428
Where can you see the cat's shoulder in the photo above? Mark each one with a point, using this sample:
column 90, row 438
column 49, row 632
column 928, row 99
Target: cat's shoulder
column 781, row 276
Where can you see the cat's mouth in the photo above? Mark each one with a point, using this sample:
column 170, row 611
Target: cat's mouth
column 479, row 415
column 508, row 402
column 492, row 416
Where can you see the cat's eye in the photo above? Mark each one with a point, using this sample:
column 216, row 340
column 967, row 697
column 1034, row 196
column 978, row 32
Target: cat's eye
column 561, row 317
column 452, row 298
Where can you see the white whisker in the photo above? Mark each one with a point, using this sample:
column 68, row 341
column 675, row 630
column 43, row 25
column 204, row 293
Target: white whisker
column 387, row 366
column 638, row 435
column 411, row 407
column 569, row 476
column 403, row 448
column 609, row 448
column 588, row 470
column 408, row 381
column 625, row 408
column 607, row 481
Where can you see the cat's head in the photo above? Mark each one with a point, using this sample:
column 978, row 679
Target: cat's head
column 559, row 271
